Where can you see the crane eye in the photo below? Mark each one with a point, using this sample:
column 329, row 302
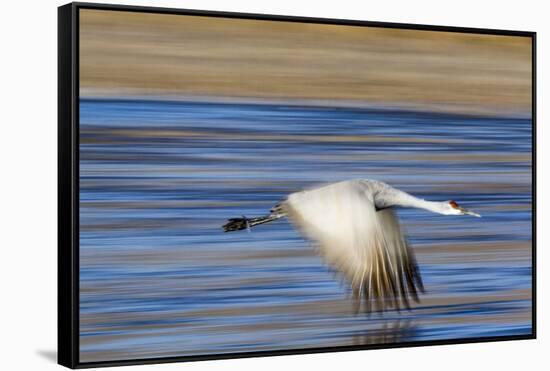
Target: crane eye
column 453, row 204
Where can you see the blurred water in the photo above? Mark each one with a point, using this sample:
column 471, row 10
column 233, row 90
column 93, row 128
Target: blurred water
column 158, row 277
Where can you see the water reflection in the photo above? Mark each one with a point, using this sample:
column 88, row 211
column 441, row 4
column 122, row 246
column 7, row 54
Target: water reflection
column 391, row 332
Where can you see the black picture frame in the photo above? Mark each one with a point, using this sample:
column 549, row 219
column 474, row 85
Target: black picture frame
column 68, row 181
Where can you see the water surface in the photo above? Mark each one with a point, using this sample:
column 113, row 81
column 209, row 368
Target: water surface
column 159, row 278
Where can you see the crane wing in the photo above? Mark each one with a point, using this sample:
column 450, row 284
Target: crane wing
column 365, row 245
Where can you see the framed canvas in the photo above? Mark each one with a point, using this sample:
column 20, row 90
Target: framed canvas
column 237, row 185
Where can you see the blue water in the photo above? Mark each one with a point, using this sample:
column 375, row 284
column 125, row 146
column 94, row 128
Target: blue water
column 159, row 278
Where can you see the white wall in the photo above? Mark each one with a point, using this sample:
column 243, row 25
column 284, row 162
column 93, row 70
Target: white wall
column 28, row 186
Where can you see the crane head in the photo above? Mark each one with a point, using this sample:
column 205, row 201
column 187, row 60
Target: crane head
column 455, row 209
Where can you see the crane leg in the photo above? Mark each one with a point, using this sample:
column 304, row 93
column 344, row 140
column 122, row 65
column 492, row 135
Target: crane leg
column 238, row 224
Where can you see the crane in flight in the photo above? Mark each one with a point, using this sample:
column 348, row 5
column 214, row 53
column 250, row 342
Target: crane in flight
column 358, row 234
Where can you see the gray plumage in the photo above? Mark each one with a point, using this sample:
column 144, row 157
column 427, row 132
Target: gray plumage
column 356, row 231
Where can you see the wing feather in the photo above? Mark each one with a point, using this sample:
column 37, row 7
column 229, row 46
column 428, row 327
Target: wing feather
column 366, row 246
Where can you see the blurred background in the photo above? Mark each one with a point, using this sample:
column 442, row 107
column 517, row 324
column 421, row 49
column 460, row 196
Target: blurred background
column 187, row 121
column 160, row 54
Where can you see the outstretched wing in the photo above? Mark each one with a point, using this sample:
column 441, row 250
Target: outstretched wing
column 365, row 245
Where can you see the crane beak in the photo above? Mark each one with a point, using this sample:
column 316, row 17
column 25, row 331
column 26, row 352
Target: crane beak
column 468, row 212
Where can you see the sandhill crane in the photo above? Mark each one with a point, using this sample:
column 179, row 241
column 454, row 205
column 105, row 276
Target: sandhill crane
column 358, row 234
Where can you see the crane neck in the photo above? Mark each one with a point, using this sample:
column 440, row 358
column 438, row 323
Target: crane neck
column 408, row 200
column 433, row 206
